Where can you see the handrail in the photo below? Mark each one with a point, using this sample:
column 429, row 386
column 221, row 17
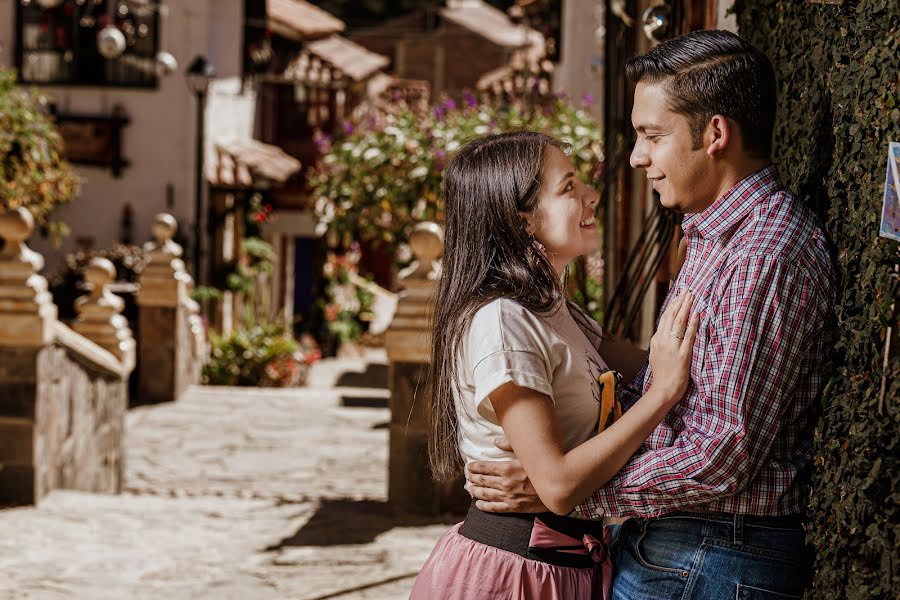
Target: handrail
column 89, row 351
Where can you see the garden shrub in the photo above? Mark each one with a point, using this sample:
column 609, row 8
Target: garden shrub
column 33, row 172
column 261, row 355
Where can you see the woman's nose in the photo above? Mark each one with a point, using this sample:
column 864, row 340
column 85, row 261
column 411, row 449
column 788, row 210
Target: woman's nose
column 593, row 198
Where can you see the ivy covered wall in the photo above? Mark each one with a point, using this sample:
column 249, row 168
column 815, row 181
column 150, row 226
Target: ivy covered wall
column 838, row 69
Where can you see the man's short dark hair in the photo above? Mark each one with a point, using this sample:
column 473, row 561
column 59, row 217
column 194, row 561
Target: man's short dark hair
column 708, row 73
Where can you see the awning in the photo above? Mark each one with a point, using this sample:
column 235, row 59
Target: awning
column 246, row 163
column 332, row 60
column 299, row 20
column 491, row 23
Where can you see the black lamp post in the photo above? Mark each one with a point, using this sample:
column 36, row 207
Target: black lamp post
column 198, row 76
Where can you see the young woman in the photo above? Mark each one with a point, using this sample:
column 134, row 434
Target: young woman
column 513, row 358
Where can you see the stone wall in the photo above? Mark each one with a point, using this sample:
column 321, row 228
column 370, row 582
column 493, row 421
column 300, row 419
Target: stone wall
column 63, row 392
column 61, row 422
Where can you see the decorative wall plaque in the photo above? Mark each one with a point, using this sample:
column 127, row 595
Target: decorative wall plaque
column 94, row 139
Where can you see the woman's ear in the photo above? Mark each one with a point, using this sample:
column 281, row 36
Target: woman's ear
column 528, row 222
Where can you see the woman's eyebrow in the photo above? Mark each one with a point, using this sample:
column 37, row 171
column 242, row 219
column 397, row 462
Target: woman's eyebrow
column 567, row 176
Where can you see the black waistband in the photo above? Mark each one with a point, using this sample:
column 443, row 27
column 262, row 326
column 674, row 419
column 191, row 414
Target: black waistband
column 512, row 532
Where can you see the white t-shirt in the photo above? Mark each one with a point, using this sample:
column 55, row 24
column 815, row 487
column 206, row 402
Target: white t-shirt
column 552, row 355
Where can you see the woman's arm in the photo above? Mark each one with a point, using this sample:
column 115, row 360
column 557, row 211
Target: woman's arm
column 562, row 479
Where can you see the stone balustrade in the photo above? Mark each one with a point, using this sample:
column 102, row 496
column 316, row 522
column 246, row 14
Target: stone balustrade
column 63, row 394
column 411, row 487
column 100, row 313
column 172, row 347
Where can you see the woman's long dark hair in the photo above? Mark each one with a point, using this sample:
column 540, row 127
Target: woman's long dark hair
column 487, row 255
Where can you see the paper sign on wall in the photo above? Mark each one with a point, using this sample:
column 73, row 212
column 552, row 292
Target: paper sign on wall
column 890, row 212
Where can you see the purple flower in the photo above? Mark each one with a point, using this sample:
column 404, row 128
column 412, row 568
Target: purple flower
column 322, row 141
column 440, row 154
column 470, row 99
column 439, row 113
column 588, row 99
column 348, row 127
column 450, row 104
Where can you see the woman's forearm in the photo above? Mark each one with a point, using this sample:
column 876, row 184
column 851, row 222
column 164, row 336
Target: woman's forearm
column 562, row 479
column 592, row 464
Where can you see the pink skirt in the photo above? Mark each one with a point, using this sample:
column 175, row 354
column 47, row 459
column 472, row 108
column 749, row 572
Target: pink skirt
column 463, row 569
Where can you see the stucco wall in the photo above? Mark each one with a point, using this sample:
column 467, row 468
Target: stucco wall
column 159, row 141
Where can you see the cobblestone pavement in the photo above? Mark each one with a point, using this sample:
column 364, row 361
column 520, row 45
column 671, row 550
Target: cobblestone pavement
column 233, row 493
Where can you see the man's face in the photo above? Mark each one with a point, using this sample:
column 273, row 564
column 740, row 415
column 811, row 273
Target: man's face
column 665, row 149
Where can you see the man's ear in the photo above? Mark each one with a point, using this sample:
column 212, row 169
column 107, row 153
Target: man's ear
column 717, row 135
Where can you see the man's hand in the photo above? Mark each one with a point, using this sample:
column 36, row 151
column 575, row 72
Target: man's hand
column 502, row 486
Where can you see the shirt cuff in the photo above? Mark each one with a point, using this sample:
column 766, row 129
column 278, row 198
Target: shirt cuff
column 602, row 503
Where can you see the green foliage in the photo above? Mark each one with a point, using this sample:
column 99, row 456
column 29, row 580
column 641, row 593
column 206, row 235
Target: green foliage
column 838, row 109
column 378, row 182
column 258, row 352
column 345, row 305
column 33, row 173
column 259, row 356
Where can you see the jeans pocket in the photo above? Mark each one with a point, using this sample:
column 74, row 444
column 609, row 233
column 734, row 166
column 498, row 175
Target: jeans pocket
column 746, row 592
column 661, row 557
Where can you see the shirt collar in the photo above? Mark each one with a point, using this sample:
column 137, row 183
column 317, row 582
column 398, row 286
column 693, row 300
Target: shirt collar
column 731, row 207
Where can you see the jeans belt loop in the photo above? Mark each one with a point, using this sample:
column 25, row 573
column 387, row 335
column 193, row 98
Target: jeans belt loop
column 738, row 529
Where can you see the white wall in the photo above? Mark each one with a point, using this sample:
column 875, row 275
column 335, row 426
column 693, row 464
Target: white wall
column 723, row 21
column 159, row 141
column 579, row 46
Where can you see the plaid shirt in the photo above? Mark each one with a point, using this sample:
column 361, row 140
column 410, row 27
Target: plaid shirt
column 739, row 440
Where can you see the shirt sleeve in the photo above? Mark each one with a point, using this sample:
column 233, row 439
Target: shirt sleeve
column 632, row 392
column 508, row 344
column 751, row 367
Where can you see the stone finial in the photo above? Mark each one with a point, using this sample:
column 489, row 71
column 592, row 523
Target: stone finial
column 99, row 313
column 408, row 338
column 427, row 244
column 164, row 228
column 164, row 280
column 26, row 307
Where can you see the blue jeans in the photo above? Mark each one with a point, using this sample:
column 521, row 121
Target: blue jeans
column 710, row 556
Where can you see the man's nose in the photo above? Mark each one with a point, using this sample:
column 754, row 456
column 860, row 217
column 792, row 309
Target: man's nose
column 639, row 158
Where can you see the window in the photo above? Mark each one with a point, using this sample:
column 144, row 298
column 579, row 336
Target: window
column 57, row 42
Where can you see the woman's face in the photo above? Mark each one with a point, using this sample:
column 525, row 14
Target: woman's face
column 563, row 220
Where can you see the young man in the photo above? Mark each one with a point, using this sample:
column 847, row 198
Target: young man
column 718, row 490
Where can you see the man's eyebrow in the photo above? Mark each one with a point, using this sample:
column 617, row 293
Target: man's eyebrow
column 567, row 176
column 641, row 127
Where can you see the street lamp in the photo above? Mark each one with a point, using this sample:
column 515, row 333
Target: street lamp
column 198, row 76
